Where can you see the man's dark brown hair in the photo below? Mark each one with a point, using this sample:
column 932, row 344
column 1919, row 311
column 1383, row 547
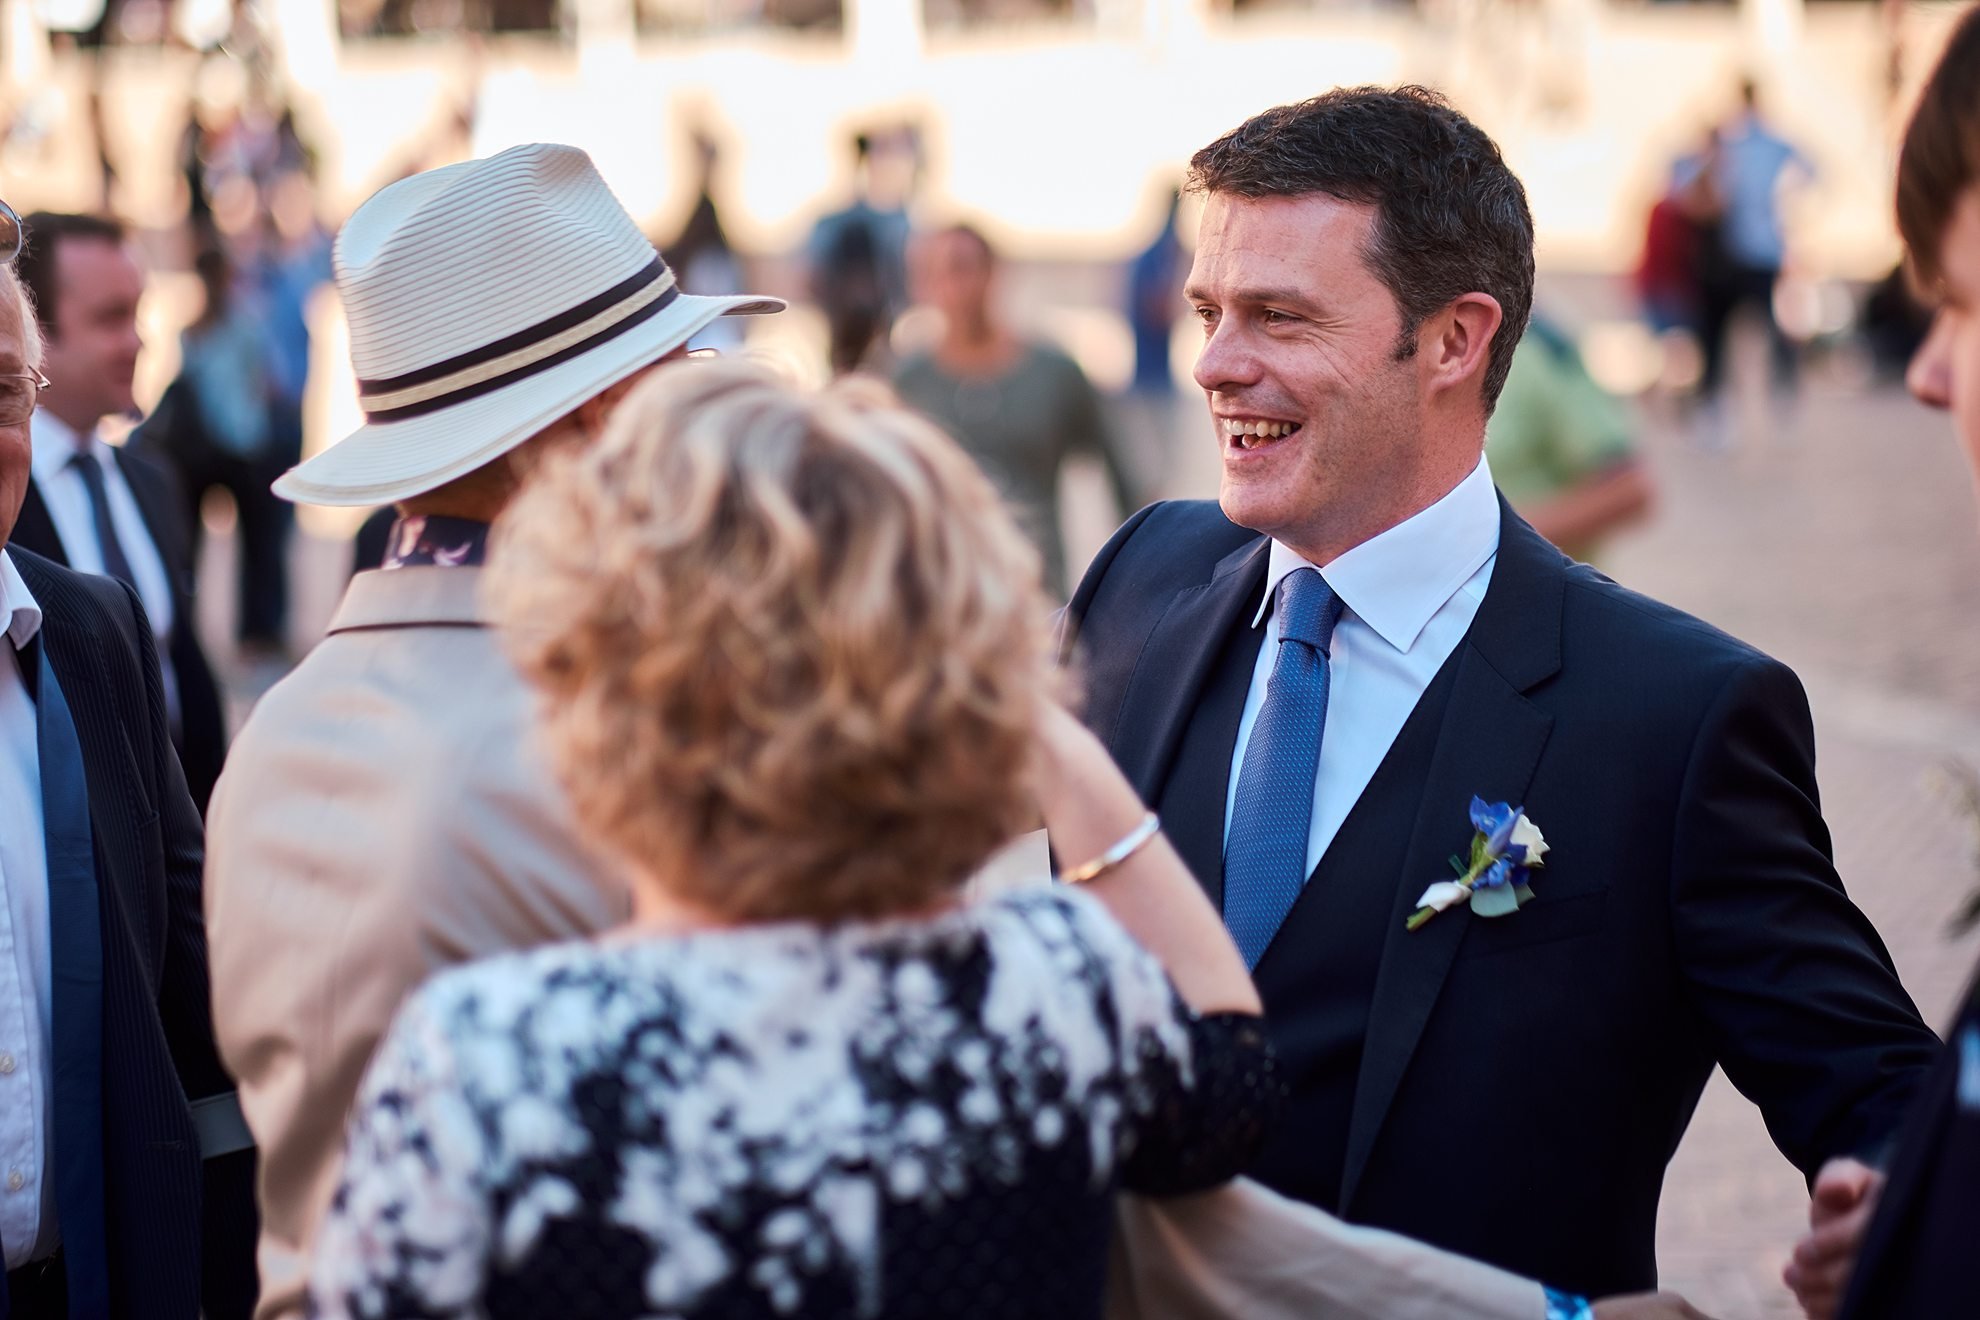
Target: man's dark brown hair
column 46, row 231
column 1941, row 155
column 1450, row 217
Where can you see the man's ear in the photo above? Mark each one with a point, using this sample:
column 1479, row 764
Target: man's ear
column 591, row 414
column 1456, row 343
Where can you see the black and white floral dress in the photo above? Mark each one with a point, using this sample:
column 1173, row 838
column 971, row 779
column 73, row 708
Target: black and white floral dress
column 904, row 1118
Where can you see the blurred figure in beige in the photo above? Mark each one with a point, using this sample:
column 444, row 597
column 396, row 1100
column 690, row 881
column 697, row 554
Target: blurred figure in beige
column 389, row 812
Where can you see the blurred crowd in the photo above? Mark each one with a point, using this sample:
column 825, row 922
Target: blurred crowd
column 973, row 355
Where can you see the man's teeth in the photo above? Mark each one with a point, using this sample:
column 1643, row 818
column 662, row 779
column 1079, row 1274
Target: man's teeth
column 1250, row 433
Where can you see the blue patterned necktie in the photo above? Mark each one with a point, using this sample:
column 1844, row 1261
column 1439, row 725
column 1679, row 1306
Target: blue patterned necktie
column 1265, row 856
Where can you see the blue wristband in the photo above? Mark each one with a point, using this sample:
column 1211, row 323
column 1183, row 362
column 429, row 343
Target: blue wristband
column 1567, row 1306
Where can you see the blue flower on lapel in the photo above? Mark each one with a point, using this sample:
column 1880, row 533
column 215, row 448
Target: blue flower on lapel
column 1505, row 851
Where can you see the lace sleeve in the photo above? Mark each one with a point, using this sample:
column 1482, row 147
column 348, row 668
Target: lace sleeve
column 1207, row 1116
column 1201, row 1091
column 408, row 1232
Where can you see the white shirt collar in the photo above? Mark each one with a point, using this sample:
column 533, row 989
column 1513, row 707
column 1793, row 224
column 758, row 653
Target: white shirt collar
column 20, row 616
column 1397, row 581
column 55, row 442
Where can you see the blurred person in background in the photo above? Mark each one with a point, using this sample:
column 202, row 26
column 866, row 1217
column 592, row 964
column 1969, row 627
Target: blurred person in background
column 1678, row 227
column 1018, row 406
column 110, row 509
column 1151, row 411
column 386, row 811
column 1154, row 292
column 856, row 256
column 1741, row 263
column 812, row 1078
column 1898, row 1245
column 702, row 254
column 126, row 1176
column 225, row 424
column 1563, row 449
column 285, row 266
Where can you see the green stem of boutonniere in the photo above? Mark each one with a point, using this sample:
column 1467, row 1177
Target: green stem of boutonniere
column 1467, row 878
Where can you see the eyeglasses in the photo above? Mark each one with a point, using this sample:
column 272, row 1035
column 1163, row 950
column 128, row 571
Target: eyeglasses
column 18, row 394
column 13, row 234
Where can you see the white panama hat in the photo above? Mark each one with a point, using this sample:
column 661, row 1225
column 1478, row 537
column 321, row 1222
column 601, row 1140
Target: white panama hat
column 486, row 300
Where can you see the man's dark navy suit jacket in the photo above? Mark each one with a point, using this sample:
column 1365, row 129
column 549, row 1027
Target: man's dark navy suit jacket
column 180, row 1230
column 1513, row 1088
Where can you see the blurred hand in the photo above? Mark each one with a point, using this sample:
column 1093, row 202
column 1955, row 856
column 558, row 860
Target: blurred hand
column 1647, row 1306
column 1085, row 799
column 1844, row 1199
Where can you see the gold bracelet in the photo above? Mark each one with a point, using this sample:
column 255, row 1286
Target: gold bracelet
column 1128, row 845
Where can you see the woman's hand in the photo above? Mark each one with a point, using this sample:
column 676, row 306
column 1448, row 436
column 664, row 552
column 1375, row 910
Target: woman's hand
column 1073, row 772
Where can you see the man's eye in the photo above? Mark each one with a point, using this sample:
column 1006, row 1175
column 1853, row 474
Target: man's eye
column 1272, row 317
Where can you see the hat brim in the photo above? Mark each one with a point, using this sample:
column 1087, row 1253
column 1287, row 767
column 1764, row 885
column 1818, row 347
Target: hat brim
column 384, row 462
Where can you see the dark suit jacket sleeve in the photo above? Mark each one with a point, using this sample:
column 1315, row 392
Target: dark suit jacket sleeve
column 228, row 1222
column 1796, row 988
column 184, row 1003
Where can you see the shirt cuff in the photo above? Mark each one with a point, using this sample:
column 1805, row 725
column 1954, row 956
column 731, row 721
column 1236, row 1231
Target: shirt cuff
column 1567, row 1306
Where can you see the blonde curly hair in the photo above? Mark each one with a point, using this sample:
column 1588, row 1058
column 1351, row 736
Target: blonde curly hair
column 792, row 648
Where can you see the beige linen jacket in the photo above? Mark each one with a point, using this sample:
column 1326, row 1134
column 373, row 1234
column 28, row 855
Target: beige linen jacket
column 386, row 812
column 1242, row 1250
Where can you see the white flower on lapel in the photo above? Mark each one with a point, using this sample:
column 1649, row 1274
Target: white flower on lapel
column 1505, row 851
column 1443, row 894
column 1527, row 835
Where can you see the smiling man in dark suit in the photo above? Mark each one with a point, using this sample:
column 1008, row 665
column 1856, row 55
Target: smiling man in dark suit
column 126, row 1180
column 1312, row 683
column 110, row 509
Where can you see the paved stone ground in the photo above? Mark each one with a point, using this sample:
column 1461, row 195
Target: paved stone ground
column 1846, row 545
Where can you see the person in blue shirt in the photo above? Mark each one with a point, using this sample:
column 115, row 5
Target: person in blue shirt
column 1741, row 258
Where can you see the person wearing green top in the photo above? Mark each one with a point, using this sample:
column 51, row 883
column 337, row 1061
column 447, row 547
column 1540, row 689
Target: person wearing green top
column 1562, row 448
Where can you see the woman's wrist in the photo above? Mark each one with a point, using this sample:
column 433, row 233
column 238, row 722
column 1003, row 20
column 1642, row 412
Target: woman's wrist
column 1130, row 843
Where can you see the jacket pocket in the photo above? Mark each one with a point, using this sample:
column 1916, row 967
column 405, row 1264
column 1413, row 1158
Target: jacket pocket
column 1540, row 922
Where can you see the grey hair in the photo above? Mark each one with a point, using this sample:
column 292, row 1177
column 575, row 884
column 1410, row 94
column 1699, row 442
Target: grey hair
column 32, row 348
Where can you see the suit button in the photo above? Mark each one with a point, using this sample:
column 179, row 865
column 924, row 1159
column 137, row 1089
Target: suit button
column 14, row 1180
column 6, row 1064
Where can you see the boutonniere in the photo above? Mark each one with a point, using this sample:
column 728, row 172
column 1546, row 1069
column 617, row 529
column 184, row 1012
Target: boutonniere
column 1504, row 853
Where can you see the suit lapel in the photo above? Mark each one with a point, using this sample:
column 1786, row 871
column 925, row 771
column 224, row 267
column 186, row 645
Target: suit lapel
column 1489, row 745
column 1164, row 691
column 76, row 947
column 35, row 530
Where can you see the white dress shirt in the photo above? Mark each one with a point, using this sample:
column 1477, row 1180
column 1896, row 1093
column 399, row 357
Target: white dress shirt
column 1409, row 596
column 26, row 1136
column 67, row 498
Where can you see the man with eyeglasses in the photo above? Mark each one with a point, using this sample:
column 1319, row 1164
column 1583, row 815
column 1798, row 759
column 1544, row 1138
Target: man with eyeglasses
column 126, row 1175
column 104, row 509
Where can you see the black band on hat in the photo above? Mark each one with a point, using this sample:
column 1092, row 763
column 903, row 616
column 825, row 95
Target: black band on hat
column 636, row 291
